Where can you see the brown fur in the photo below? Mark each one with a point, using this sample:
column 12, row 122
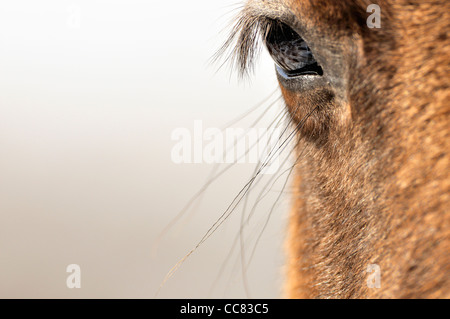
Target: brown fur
column 372, row 185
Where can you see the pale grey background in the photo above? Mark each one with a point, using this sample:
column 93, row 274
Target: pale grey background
column 90, row 92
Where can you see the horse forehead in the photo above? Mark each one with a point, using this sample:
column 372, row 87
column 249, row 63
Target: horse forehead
column 313, row 13
column 310, row 3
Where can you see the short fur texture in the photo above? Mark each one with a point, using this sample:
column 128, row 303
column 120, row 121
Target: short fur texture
column 372, row 185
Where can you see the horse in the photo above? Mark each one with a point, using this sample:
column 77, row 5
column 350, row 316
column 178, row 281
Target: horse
column 367, row 91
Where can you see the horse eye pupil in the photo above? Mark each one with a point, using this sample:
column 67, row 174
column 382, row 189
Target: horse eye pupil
column 290, row 52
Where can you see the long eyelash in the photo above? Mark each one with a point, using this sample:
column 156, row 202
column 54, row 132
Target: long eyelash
column 244, row 43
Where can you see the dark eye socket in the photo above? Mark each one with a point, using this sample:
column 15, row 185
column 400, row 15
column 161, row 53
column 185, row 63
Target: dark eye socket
column 290, row 52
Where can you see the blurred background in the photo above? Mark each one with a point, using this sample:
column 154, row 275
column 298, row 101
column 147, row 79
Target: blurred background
column 90, row 93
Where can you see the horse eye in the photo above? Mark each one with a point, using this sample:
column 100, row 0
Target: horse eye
column 290, row 52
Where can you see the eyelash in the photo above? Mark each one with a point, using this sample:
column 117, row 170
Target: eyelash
column 252, row 32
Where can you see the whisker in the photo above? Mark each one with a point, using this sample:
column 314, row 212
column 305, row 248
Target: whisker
column 256, row 174
column 223, row 266
column 213, row 228
column 298, row 128
column 212, row 177
column 240, row 234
